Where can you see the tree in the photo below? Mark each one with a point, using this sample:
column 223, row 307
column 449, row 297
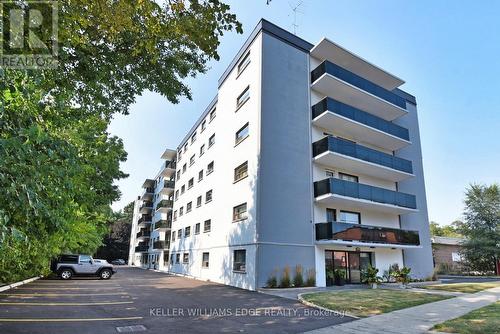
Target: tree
column 481, row 227
column 116, row 242
column 446, row 230
column 58, row 163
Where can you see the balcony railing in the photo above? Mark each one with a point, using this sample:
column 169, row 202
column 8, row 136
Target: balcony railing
column 143, row 233
column 359, row 116
column 170, row 164
column 356, row 80
column 142, row 248
column 169, row 184
column 346, row 147
column 164, row 204
column 366, row 233
column 160, row 244
column 145, row 219
column 365, row 192
column 146, row 205
column 163, row 224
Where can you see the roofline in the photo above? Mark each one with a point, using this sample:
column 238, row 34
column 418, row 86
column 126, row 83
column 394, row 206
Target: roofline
column 200, row 119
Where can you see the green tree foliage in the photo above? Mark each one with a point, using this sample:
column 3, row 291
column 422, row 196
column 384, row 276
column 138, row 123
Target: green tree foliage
column 58, row 163
column 451, row 230
column 481, row 227
column 117, row 240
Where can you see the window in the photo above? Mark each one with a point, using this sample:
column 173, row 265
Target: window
column 348, row 177
column 179, row 234
column 203, row 125
column 200, row 175
column 187, row 231
column 208, row 196
column 191, row 183
column 210, row 168
column 189, row 206
column 331, row 215
column 241, row 171
column 211, row 140
column 204, row 260
column 179, row 155
column 191, row 160
column 178, row 174
column 177, row 194
column 175, row 215
column 185, row 147
column 193, row 137
column 177, row 258
column 202, row 150
column 197, row 228
column 212, row 114
column 243, row 97
column 239, row 260
column 198, row 202
column 181, row 211
column 456, row 257
column 173, row 236
column 185, row 258
column 329, row 173
column 244, row 62
column 183, row 189
column 240, row 212
column 184, row 168
column 241, row 134
column 350, row 217
column 172, row 258
column 207, row 225
column 85, row 259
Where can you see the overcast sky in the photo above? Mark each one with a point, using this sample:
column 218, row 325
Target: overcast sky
column 447, row 52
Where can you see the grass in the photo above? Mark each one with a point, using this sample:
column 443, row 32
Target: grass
column 463, row 287
column 364, row 303
column 483, row 320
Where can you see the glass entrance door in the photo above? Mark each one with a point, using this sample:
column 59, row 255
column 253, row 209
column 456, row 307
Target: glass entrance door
column 351, row 264
column 354, row 268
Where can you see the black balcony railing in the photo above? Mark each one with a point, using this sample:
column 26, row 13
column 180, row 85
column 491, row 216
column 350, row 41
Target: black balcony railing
column 359, row 116
column 169, row 184
column 163, row 224
column 365, row 233
column 346, row 147
column 146, row 205
column 149, row 190
column 145, row 219
column 164, row 204
column 364, row 191
column 160, row 244
column 356, row 80
column 170, row 164
column 143, row 233
column 142, row 248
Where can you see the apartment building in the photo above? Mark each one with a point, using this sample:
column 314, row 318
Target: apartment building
column 309, row 155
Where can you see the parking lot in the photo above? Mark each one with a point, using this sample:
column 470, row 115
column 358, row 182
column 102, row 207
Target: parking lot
column 154, row 303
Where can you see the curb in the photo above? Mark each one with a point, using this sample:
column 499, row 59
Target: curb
column 13, row 285
column 305, row 302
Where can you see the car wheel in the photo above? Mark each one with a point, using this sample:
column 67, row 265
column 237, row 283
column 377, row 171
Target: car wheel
column 105, row 274
column 66, row 274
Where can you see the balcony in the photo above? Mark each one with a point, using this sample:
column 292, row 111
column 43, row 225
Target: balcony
column 168, row 169
column 145, row 219
column 350, row 122
column 168, row 187
column 163, row 224
column 147, row 195
column 148, row 183
column 359, row 235
column 360, row 196
column 336, row 82
column 164, row 205
column 141, row 248
column 344, row 154
column 146, row 207
column 143, row 233
column 161, row 244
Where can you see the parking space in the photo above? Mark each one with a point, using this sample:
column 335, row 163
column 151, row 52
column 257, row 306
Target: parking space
column 158, row 302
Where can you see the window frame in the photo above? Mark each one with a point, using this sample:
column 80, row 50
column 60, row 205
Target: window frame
column 197, row 228
column 236, row 267
column 210, row 170
column 243, row 98
column 207, row 200
column 205, row 263
column 350, row 212
column 237, row 139
column 205, row 230
column 238, row 216
column 243, row 63
column 211, row 140
column 236, row 178
column 185, row 258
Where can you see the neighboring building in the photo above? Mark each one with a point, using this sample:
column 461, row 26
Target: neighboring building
column 309, row 155
column 446, row 252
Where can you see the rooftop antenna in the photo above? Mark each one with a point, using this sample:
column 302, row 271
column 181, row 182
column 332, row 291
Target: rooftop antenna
column 295, row 10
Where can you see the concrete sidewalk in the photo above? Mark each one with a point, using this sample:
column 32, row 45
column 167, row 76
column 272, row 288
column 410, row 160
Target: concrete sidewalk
column 418, row 319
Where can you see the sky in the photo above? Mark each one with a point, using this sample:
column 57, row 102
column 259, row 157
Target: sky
column 448, row 52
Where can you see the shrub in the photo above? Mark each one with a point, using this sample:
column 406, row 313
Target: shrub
column 311, row 277
column 298, row 279
column 285, row 278
column 272, row 281
column 369, row 276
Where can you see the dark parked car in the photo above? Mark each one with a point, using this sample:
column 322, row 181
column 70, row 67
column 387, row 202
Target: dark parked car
column 69, row 265
column 119, row 262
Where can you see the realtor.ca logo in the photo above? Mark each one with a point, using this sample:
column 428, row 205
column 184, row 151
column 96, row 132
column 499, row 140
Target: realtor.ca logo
column 28, row 34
